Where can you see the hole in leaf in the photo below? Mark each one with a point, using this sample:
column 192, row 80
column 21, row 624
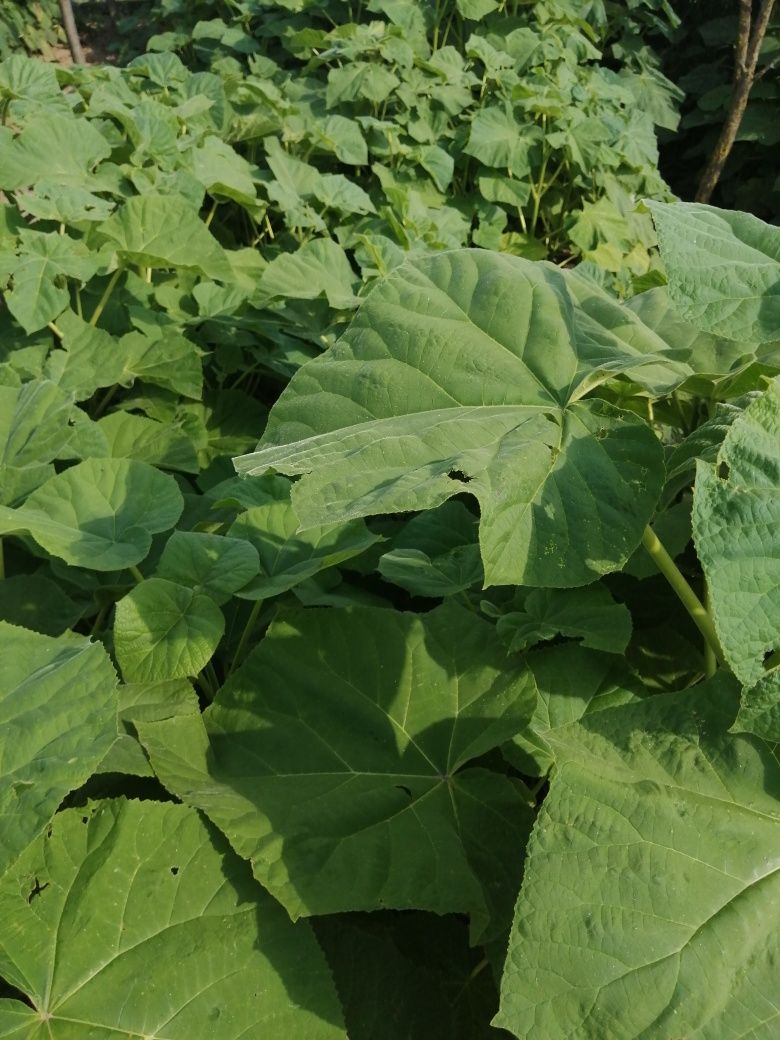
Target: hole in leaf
column 36, row 890
column 174, row 871
column 601, row 434
column 459, row 475
column 404, row 788
column 723, row 471
column 771, row 660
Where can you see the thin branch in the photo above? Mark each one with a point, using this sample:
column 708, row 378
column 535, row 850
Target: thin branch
column 750, row 37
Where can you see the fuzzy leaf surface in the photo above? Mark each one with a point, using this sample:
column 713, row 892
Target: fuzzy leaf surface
column 655, row 851
column 58, row 713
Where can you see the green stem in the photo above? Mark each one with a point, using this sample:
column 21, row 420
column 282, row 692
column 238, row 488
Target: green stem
column 136, row 573
column 105, row 297
column 211, row 213
column 685, row 593
column 99, row 618
column 246, row 635
column 57, row 331
column 104, row 401
column 710, row 660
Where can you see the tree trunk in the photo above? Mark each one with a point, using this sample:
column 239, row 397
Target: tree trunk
column 72, row 33
column 748, row 46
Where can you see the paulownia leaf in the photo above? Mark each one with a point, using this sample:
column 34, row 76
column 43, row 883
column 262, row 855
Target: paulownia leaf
column 497, row 138
column 214, row 564
column 34, row 427
column 148, row 702
column 133, row 918
column 58, row 708
column 165, row 631
column 337, row 761
column 91, row 358
column 166, row 445
column 39, row 270
column 649, row 905
column 435, row 553
column 723, row 269
column 462, row 372
column 100, row 514
column 287, row 557
column 319, row 267
column 708, row 357
column 736, row 528
column 56, row 147
column 165, row 231
column 759, row 711
column 571, row 682
column 589, row 614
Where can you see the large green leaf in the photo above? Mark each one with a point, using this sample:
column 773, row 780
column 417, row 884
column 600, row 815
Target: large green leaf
column 649, row 906
column 446, row 382
column 58, row 714
column 53, row 146
column 133, row 918
column 165, row 631
column 736, row 528
column 723, row 269
column 337, row 760
column 497, row 138
column 165, row 231
column 100, row 514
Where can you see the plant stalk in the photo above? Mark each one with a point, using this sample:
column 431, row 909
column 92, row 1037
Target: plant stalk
column 685, row 593
column 105, row 297
column 246, row 635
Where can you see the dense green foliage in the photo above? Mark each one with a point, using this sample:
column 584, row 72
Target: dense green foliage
column 455, row 700
column 532, row 132
column 34, row 27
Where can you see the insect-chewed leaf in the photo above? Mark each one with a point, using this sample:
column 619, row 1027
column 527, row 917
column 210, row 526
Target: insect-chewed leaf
column 461, row 373
column 134, row 918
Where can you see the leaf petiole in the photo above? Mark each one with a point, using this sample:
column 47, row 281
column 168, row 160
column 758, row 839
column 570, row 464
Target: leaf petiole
column 246, row 635
column 685, row 593
column 105, row 297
